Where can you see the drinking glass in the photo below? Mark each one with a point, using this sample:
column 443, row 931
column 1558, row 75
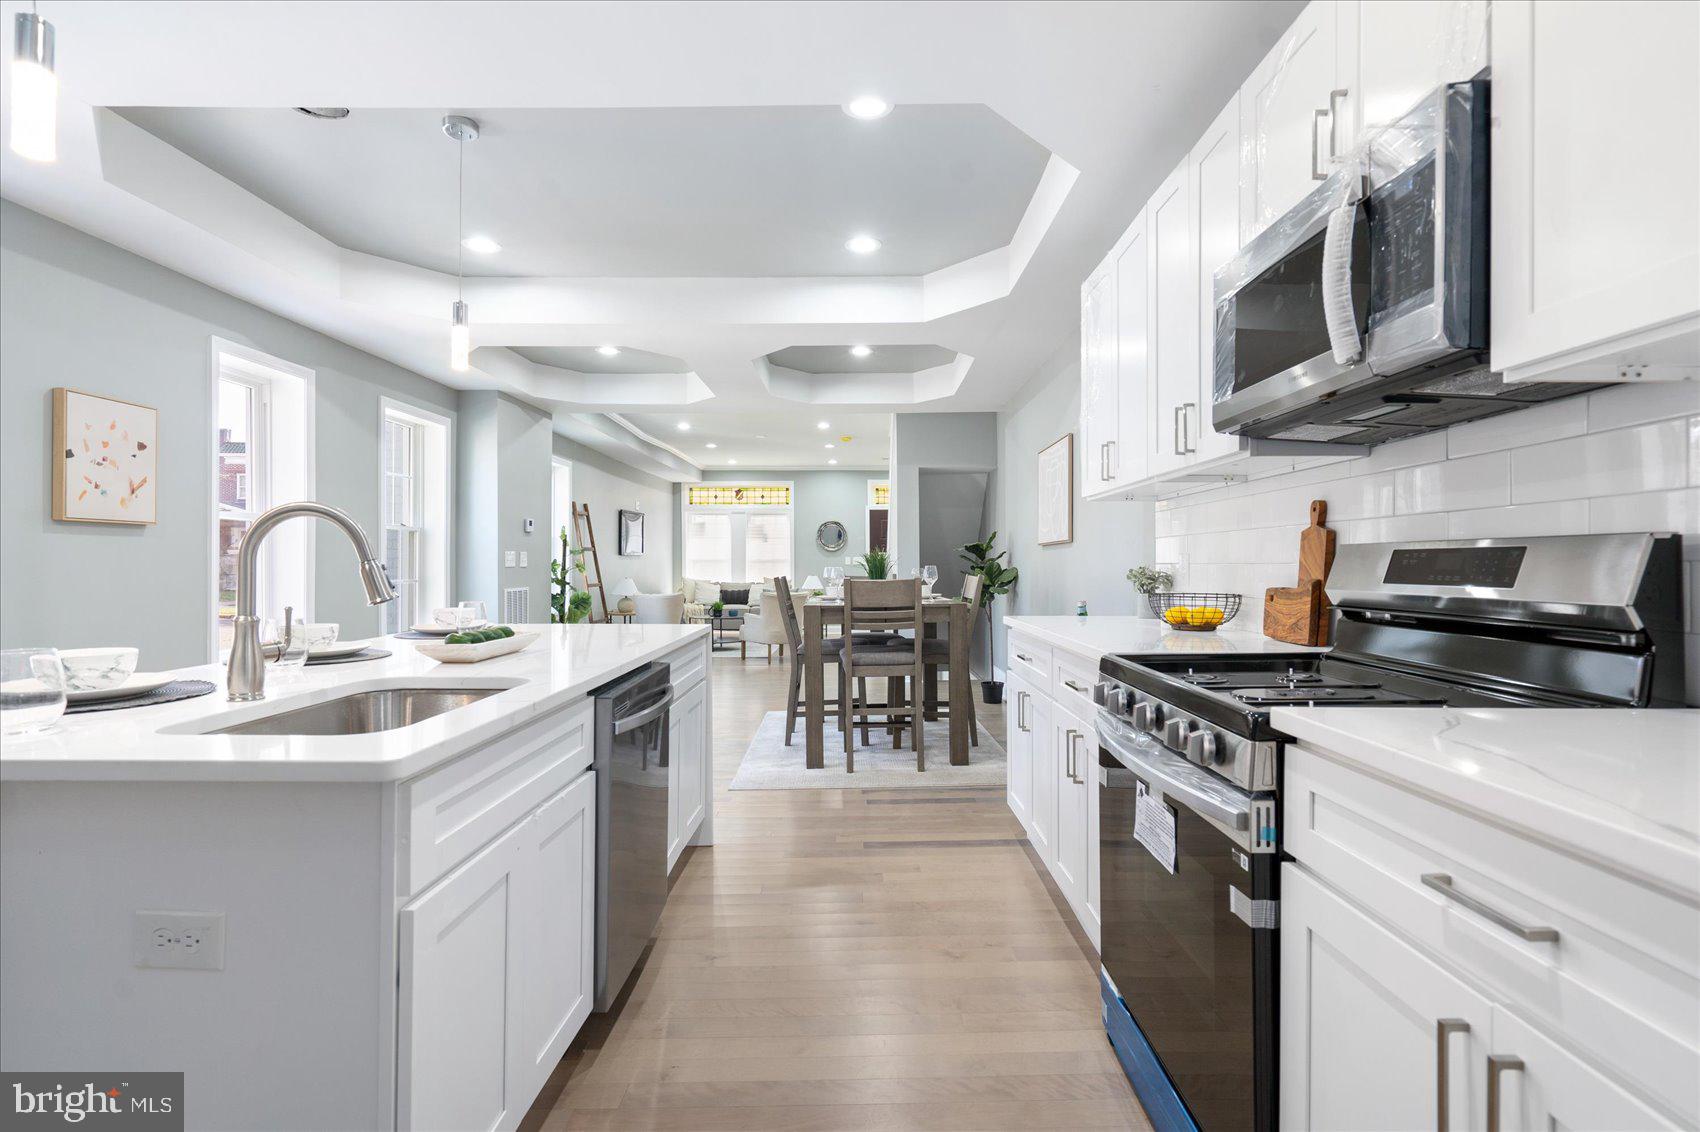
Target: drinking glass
column 32, row 690
column 834, row 578
column 929, row 575
column 294, row 654
column 472, row 613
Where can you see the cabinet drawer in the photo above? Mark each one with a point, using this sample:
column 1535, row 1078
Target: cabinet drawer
column 1619, row 980
column 445, row 815
column 687, row 665
column 1072, row 680
column 1032, row 660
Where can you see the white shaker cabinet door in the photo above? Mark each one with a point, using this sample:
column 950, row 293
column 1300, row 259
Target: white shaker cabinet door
column 1068, row 735
column 1404, row 51
column 1042, row 823
column 460, row 952
column 1596, row 225
column 1215, row 187
column 1370, row 1029
column 1538, row 1086
column 1174, row 325
column 1020, row 758
column 1129, row 455
column 690, row 729
column 1287, row 119
column 557, row 969
column 1098, row 390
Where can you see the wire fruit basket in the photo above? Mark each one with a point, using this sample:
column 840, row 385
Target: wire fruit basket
column 1198, row 613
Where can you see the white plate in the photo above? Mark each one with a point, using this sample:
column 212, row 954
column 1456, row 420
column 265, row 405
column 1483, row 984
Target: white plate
column 138, row 684
column 337, row 648
column 468, row 654
column 436, row 630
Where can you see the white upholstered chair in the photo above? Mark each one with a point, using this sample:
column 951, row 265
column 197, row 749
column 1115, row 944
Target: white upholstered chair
column 658, row 609
column 763, row 625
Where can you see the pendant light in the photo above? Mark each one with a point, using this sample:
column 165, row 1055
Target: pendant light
column 35, row 89
column 462, row 130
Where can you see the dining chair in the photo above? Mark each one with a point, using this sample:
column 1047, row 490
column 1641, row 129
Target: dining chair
column 891, row 606
column 935, row 653
column 831, row 648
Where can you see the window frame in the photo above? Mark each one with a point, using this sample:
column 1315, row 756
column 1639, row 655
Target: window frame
column 738, row 523
column 420, row 418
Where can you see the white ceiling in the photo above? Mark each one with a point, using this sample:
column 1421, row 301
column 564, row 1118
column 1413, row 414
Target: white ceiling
column 585, row 359
column 883, row 359
column 705, row 191
column 772, row 439
column 1114, row 93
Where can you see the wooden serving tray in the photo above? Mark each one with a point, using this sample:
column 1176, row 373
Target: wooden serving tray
column 472, row 654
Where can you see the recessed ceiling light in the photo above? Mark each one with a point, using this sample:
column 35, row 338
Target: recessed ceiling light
column 823, row 424
column 867, row 107
column 711, row 444
column 331, row 113
column 862, row 245
column 832, row 461
column 481, row 245
column 832, row 446
column 684, row 426
column 607, row 351
column 731, row 461
column 860, row 351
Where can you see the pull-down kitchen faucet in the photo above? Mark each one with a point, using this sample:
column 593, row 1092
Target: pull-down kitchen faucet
column 247, row 674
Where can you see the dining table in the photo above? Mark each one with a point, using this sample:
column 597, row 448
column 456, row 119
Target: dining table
column 957, row 618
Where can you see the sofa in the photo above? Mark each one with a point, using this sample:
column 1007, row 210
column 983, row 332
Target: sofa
column 701, row 594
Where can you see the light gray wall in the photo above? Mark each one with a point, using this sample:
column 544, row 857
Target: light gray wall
column 817, row 496
column 1109, row 536
column 940, row 442
column 606, row 485
column 78, row 312
column 477, row 500
column 503, row 480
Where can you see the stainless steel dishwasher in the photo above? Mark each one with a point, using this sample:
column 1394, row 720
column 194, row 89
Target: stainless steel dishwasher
column 631, row 821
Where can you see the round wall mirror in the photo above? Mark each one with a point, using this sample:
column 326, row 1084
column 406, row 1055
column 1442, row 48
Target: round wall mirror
column 831, row 536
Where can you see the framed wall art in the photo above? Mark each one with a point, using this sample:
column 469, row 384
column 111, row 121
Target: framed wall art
column 631, row 533
column 1056, row 492
column 105, row 459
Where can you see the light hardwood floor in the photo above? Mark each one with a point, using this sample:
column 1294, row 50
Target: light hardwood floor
column 849, row 959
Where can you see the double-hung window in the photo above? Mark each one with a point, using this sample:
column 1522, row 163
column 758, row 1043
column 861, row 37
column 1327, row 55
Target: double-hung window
column 738, row 532
column 401, row 520
column 414, row 506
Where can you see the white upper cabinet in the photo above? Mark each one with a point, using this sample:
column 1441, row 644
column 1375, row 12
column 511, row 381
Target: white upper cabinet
column 1395, row 53
column 1174, row 325
column 1098, row 392
column 1288, row 118
column 1596, row 190
column 1130, row 454
column 1214, row 179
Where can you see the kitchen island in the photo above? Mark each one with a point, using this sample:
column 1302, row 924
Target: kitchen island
column 391, row 929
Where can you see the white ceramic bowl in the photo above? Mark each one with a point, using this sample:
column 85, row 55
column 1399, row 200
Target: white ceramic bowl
column 90, row 670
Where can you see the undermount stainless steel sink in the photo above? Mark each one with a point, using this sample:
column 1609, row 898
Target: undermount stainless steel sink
column 361, row 713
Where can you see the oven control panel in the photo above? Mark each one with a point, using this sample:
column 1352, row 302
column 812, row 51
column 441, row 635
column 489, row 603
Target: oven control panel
column 1248, row 764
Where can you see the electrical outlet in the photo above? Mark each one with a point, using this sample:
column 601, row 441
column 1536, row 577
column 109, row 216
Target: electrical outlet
column 178, row 939
column 509, row 558
column 524, row 558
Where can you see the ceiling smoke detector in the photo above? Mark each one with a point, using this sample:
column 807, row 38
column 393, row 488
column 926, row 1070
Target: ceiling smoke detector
column 329, row 113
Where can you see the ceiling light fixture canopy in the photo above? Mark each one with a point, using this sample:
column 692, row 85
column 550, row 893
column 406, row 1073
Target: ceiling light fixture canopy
column 711, row 444
column 460, row 130
column 481, row 245
column 862, row 244
column 608, row 351
column 860, row 351
column 35, row 89
column 867, row 107
column 684, row 426
column 832, row 461
column 823, row 424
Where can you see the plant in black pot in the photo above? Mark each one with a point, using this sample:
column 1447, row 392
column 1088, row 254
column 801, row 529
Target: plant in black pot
column 996, row 580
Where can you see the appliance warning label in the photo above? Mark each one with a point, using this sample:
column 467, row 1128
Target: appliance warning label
column 1154, row 826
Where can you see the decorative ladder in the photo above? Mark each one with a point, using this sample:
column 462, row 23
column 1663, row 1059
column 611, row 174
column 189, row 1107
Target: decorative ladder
column 585, row 535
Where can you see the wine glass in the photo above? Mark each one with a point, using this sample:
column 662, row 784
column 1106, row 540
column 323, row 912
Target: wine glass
column 834, row 578
column 929, row 576
column 471, row 613
column 32, row 690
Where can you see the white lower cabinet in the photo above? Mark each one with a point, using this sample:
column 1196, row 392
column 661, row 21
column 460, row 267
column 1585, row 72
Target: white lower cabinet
column 1053, row 769
column 687, row 768
column 496, row 970
column 1371, row 1031
column 1541, row 1087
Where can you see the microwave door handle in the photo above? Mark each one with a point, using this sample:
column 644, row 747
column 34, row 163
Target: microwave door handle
column 1337, row 311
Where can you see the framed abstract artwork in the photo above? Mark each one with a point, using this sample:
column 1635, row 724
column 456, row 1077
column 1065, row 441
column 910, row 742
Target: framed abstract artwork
column 631, row 533
column 1056, row 492
column 105, row 459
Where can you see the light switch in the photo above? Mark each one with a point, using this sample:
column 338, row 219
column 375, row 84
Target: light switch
column 509, row 558
column 524, row 558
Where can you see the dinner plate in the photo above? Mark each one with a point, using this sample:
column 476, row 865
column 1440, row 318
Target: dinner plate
column 138, row 684
column 436, row 630
column 336, row 649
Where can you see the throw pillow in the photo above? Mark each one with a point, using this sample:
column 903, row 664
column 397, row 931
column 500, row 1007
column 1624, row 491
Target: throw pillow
column 735, row 596
column 689, row 589
column 707, row 593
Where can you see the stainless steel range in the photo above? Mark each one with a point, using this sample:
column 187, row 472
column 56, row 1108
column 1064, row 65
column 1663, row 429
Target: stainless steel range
column 1190, row 771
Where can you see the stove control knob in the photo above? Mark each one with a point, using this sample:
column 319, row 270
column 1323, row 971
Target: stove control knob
column 1175, row 733
column 1147, row 716
column 1202, row 747
column 1113, row 697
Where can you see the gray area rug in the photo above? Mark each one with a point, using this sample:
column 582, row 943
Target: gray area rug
column 769, row 764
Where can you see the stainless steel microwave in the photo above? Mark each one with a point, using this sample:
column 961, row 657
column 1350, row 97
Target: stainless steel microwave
column 1390, row 257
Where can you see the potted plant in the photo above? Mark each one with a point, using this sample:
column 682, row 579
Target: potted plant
column 717, row 608
column 578, row 606
column 561, row 591
column 877, row 563
column 996, row 579
column 1148, row 580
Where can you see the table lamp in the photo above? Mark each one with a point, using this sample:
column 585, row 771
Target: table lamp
column 811, row 583
column 625, row 589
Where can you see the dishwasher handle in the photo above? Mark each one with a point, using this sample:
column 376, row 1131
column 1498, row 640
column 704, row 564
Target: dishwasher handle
column 648, row 714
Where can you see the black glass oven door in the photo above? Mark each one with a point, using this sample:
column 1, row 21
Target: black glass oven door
column 1197, row 979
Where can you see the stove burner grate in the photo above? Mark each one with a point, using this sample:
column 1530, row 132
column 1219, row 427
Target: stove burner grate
column 1204, row 679
column 1293, row 676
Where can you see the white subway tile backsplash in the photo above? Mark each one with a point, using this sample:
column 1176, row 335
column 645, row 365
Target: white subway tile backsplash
column 1361, row 497
column 1649, row 457
column 1677, row 511
column 1397, row 528
column 1623, row 405
column 1474, row 481
column 1425, row 449
column 1552, row 421
column 1560, row 517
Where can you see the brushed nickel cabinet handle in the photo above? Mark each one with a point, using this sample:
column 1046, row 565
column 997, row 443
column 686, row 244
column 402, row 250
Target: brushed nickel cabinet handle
column 1078, row 781
column 1077, row 687
column 1442, row 883
column 1068, row 753
column 1114, row 464
column 1180, row 444
column 1104, row 460
column 1316, row 173
column 1023, row 656
column 1186, row 431
column 1020, row 711
column 1498, row 1063
column 1444, row 1028
column 1335, row 97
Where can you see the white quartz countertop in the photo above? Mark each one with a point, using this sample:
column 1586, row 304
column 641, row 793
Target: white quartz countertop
column 1098, row 636
column 148, row 743
column 1619, row 786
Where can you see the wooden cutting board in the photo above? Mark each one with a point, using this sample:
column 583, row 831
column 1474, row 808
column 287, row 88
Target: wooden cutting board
column 1298, row 614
